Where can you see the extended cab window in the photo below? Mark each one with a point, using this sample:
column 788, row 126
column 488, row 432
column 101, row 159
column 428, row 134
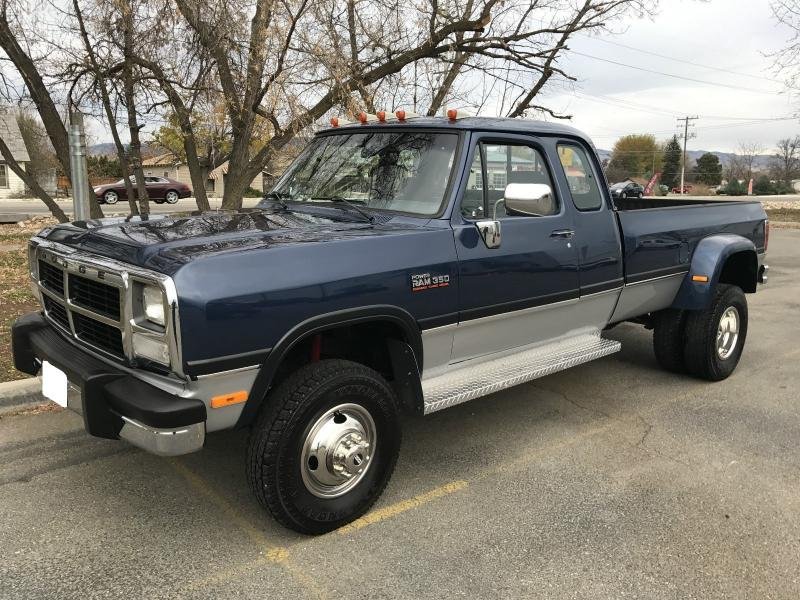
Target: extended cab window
column 496, row 166
column 398, row 171
column 582, row 182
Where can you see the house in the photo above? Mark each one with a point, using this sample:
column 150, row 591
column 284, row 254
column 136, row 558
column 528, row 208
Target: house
column 171, row 166
column 11, row 186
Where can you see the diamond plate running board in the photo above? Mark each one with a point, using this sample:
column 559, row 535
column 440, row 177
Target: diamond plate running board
column 480, row 378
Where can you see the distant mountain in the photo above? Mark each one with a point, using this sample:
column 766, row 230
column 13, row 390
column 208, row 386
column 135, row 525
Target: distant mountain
column 761, row 162
column 109, row 149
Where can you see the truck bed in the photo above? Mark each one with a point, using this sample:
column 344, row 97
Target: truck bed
column 660, row 235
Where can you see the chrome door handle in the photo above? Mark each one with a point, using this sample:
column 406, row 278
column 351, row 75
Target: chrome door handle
column 562, row 233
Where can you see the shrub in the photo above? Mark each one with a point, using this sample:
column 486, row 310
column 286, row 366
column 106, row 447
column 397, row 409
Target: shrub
column 734, row 188
column 252, row 193
column 763, row 186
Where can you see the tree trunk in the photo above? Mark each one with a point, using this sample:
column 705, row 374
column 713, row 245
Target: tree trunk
column 40, row 94
column 130, row 104
column 105, row 97
column 32, row 183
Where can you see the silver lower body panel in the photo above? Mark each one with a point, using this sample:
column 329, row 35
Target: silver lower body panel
column 472, row 379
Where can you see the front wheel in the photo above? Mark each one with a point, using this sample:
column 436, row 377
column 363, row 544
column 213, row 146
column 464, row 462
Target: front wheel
column 715, row 336
column 171, row 197
column 640, row 195
column 111, row 197
column 324, row 446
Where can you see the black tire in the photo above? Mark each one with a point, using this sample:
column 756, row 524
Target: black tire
column 668, row 339
column 640, row 195
column 277, row 439
column 110, row 197
column 700, row 354
column 172, row 197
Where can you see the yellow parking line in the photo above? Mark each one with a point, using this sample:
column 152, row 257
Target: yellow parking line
column 272, row 554
column 255, row 535
column 393, row 510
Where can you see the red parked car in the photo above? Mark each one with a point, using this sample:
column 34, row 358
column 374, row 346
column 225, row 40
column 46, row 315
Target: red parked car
column 159, row 189
column 687, row 189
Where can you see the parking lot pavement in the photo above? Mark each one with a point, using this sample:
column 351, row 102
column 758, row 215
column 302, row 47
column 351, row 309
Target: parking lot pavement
column 610, row 480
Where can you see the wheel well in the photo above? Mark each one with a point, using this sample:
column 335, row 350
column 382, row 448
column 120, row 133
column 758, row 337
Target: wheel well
column 368, row 343
column 741, row 269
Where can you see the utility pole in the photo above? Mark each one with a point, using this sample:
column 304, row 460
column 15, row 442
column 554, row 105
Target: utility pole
column 78, row 169
column 686, row 120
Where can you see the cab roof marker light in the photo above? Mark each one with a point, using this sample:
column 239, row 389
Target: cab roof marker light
column 381, row 114
column 365, row 118
column 452, row 114
column 339, row 121
column 404, row 115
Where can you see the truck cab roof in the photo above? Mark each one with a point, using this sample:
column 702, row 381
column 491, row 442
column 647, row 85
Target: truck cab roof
column 499, row 124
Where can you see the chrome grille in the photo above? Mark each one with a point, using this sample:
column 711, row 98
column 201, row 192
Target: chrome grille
column 52, row 277
column 98, row 334
column 56, row 311
column 96, row 301
column 94, row 295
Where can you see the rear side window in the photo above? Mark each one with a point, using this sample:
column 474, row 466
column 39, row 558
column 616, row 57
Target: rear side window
column 582, row 182
column 494, row 167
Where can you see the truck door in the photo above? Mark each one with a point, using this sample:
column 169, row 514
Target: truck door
column 518, row 273
column 597, row 240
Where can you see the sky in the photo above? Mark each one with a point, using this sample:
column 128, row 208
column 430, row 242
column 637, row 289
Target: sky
column 610, row 100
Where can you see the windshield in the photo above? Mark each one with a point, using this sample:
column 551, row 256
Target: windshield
column 618, row 186
column 398, row 171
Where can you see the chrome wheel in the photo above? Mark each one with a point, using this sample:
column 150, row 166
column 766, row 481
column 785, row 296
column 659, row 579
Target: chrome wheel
column 111, row 197
column 727, row 332
column 172, row 197
column 337, row 451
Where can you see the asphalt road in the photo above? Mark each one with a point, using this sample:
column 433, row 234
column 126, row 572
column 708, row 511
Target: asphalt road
column 36, row 207
column 611, row 480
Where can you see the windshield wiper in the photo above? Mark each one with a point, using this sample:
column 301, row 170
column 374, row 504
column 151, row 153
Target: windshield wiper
column 278, row 197
column 339, row 200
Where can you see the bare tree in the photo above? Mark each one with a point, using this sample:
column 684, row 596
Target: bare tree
column 787, row 12
column 741, row 165
column 26, row 177
column 786, row 161
column 101, row 86
column 18, row 53
column 295, row 61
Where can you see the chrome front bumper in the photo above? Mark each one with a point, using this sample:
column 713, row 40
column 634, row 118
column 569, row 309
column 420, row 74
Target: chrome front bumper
column 164, row 442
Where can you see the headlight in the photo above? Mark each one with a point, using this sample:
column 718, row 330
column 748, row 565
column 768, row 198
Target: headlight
column 96, row 190
column 153, row 304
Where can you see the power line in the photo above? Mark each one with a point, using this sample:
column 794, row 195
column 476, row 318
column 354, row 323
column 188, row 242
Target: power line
column 712, row 83
column 686, row 62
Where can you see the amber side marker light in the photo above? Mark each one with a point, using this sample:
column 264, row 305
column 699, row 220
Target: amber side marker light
column 228, row 399
column 700, row 278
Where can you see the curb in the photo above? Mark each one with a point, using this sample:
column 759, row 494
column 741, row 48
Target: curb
column 18, row 393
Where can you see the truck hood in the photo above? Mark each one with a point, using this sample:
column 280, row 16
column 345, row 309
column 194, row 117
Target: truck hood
column 166, row 242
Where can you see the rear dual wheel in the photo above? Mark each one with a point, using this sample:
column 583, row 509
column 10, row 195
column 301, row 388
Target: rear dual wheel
column 324, row 446
column 705, row 343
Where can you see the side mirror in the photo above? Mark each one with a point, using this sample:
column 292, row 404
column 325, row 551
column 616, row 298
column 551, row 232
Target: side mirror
column 530, row 199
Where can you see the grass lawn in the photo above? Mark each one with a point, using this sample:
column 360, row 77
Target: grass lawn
column 16, row 297
column 786, row 215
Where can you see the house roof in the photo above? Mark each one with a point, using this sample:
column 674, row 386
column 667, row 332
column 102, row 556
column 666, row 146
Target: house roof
column 9, row 131
column 168, row 159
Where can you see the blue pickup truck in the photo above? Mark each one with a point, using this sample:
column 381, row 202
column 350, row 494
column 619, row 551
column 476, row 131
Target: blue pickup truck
column 400, row 265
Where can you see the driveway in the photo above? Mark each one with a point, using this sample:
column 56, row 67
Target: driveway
column 610, row 480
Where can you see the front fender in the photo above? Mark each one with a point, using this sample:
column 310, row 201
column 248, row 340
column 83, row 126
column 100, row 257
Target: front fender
column 388, row 313
column 708, row 260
